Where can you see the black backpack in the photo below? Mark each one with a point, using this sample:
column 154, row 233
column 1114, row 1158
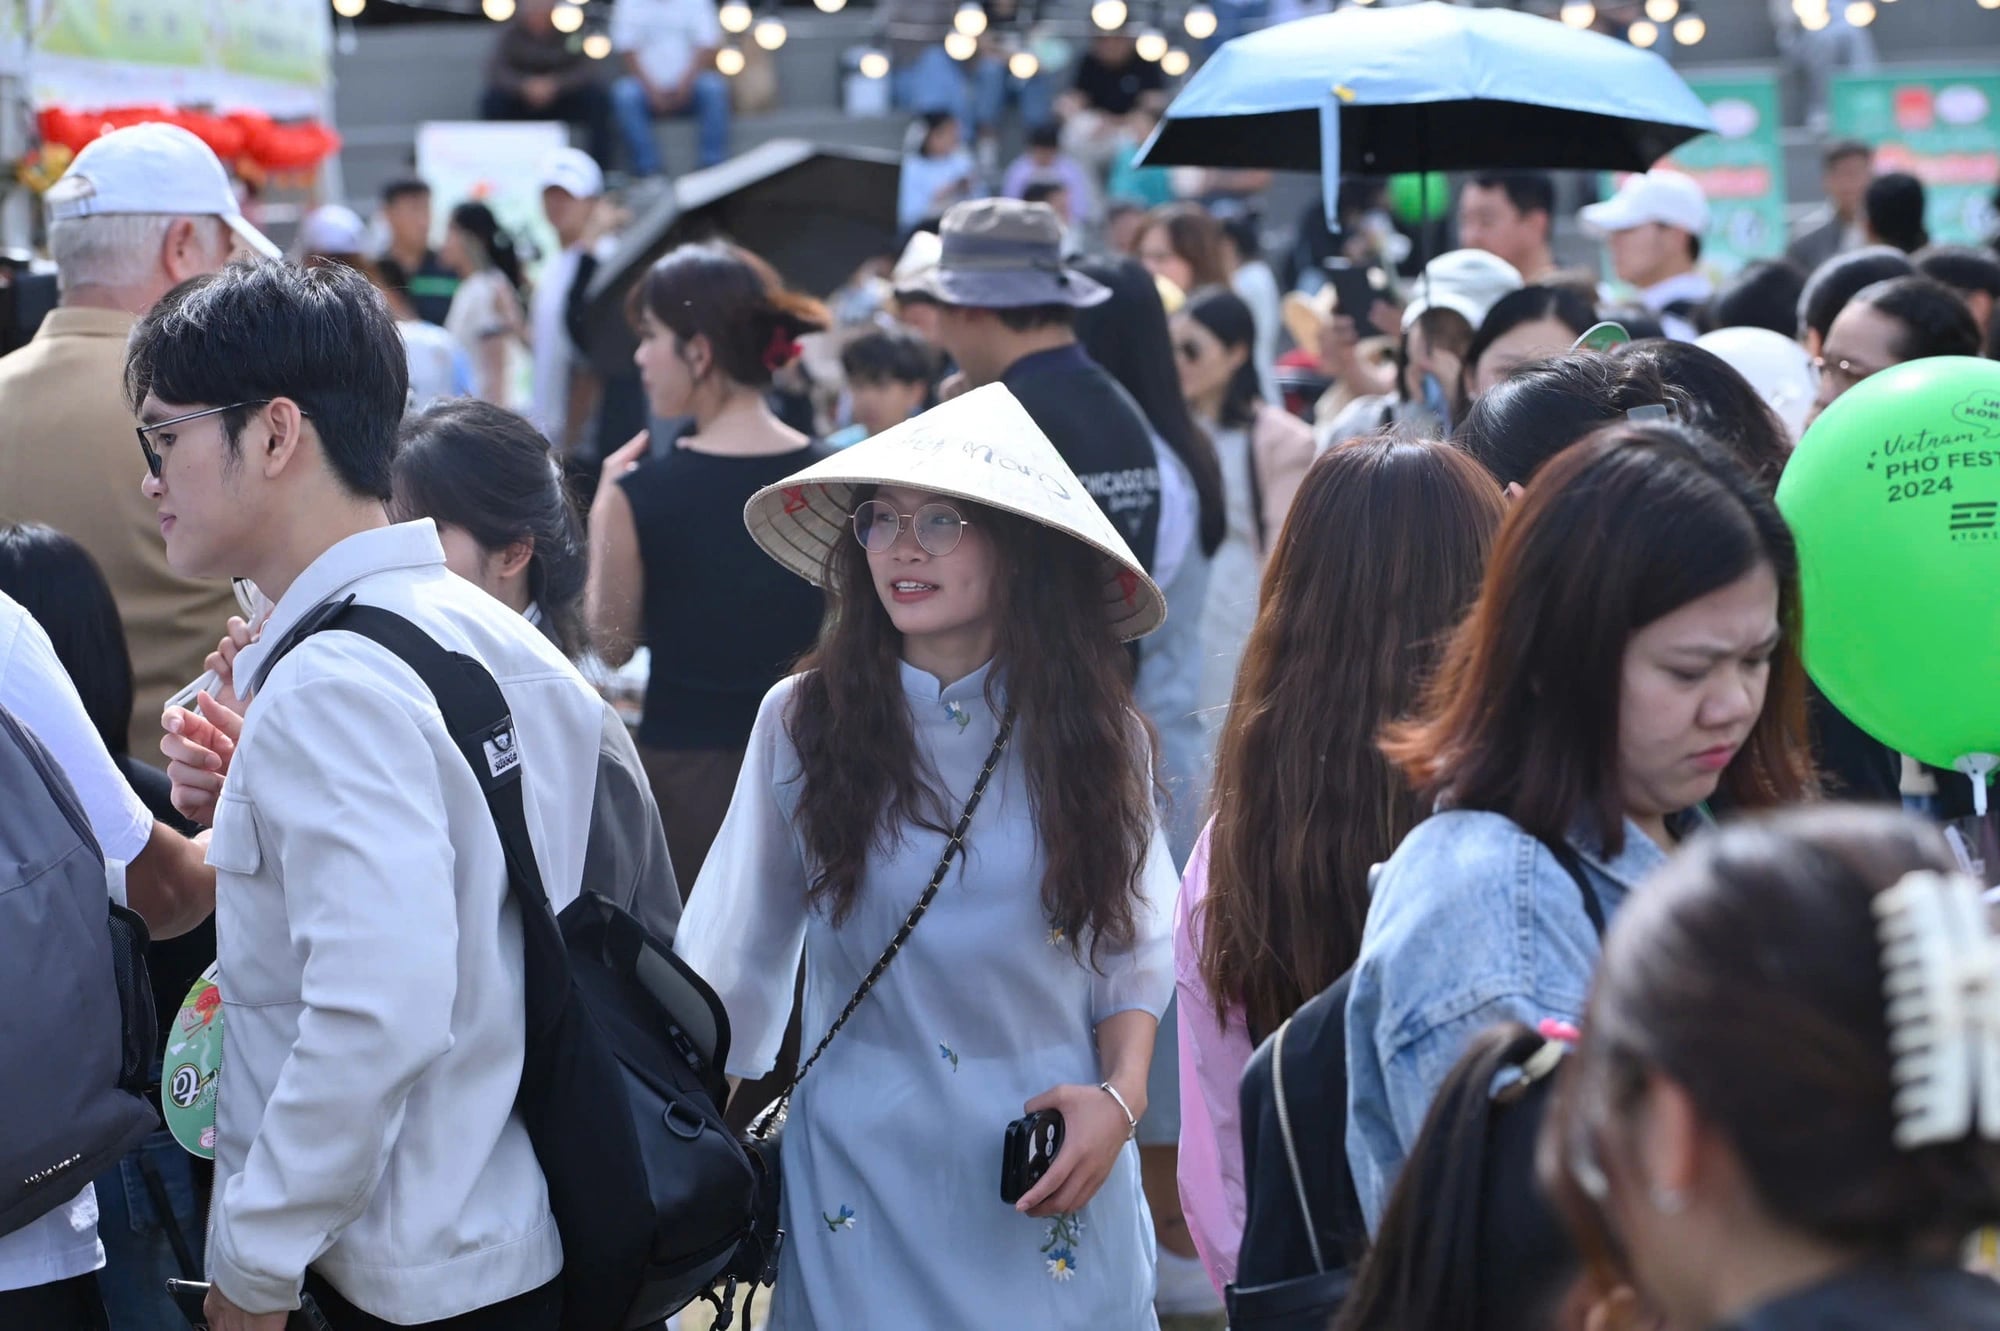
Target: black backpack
column 1303, row 1231
column 79, row 1041
column 655, row 1198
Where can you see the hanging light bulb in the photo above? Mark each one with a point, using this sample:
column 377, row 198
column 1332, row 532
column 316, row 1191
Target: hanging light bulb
column 1860, row 13
column 1108, row 14
column 1662, row 11
column 734, row 16
column 1579, row 13
column 1690, row 30
column 1200, row 22
column 566, row 18
column 1175, row 62
column 1152, row 44
column 970, row 18
column 1643, row 33
column 729, row 62
column 1024, row 65
column 597, row 46
column 497, row 10
column 349, row 8
column 769, row 33
column 960, row 47
column 874, row 65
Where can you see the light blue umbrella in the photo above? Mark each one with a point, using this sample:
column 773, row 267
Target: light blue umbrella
column 1427, row 87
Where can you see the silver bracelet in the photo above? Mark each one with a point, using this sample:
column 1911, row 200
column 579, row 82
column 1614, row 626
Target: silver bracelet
column 1131, row 1123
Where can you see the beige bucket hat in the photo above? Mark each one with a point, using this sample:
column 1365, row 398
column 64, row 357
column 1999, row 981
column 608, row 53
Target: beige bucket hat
column 981, row 446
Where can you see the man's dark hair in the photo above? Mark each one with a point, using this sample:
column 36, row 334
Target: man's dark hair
column 1027, row 318
column 1935, row 322
column 403, row 187
column 1894, row 206
column 1048, row 134
column 886, row 355
column 1528, row 191
column 319, row 335
column 1041, row 191
column 1764, row 295
column 1961, row 267
column 1840, row 150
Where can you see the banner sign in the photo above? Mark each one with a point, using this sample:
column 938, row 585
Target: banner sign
column 272, row 56
column 1741, row 168
column 1940, row 125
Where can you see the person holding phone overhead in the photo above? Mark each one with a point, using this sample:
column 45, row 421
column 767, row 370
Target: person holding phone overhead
column 969, row 675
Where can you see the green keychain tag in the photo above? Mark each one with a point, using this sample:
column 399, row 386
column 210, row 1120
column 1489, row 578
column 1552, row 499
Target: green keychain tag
column 193, row 1064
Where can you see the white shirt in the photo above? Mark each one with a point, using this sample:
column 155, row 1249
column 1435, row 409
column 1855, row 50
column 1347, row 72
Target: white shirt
column 1692, row 285
column 370, row 953
column 37, row 690
column 665, row 34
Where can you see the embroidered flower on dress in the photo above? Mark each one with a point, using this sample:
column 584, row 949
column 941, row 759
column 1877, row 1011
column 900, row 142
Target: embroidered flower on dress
column 841, row 1219
column 1059, row 1248
column 957, row 713
column 948, row 1054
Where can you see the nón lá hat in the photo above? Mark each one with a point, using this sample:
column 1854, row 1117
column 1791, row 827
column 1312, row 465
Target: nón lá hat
column 981, row 446
column 152, row 168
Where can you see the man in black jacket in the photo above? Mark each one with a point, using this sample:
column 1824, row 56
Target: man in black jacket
column 1008, row 311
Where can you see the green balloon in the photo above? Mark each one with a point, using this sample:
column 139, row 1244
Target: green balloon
column 1894, row 499
column 1417, row 199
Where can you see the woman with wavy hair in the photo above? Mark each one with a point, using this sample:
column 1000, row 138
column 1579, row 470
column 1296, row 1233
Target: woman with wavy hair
column 968, row 699
column 1380, row 554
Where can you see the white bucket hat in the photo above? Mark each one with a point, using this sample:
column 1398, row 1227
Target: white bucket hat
column 983, row 447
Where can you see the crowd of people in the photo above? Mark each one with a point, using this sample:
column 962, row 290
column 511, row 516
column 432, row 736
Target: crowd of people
column 1391, row 649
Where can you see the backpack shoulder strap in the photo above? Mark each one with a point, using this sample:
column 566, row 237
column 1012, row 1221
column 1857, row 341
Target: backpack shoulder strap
column 479, row 722
column 1572, row 863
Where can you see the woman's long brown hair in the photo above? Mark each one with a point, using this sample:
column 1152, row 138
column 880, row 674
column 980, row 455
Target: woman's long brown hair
column 1082, row 744
column 1381, row 553
column 1627, row 525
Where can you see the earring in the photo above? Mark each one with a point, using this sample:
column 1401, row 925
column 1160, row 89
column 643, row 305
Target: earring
column 1667, row 1201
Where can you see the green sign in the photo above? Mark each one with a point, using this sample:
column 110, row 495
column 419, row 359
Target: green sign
column 1741, row 168
column 1940, row 125
column 140, row 32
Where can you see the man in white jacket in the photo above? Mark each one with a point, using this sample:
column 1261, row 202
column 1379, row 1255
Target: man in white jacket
column 370, row 954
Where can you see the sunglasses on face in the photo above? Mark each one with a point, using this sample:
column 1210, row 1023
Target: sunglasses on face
column 938, row 527
column 151, row 449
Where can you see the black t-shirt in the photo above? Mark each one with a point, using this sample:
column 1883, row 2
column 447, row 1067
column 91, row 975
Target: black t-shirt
column 1116, row 89
column 724, row 620
column 429, row 289
column 1100, row 432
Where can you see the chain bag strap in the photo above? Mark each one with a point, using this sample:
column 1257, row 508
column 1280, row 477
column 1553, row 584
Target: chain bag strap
column 773, row 1118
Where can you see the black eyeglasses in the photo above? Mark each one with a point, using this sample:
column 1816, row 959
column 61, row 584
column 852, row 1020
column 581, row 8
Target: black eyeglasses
column 938, row 527
column 153, row 459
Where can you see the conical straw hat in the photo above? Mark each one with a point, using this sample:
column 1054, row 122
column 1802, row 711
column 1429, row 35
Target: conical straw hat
column 982, row 446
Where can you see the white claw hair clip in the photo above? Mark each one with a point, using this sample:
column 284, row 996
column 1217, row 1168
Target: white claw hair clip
column 1941, row 981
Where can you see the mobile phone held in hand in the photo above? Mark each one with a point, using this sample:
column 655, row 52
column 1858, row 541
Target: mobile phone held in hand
column 1031, row 1147
column 191, row 1297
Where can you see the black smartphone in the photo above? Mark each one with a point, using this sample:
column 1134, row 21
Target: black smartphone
column 1355, row 289
column 191, row 1297
column 1030, row 1149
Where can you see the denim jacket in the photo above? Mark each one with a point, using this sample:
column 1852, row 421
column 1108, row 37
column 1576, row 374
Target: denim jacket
column 1472, row 922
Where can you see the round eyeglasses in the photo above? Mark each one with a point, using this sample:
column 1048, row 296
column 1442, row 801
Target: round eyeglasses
column 938, row 527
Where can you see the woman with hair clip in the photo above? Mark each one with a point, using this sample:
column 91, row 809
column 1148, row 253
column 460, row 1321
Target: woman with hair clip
column 1541, row 409
column 1468, row 1241
column 959, row 757
column 1632, row 652
column 486, row 315
column 1379, row 558
column 1784, row 1114
column 1264, row 450
column 671, row 567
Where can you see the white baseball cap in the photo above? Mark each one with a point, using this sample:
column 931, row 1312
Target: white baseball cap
column 1470, row 282
column 152, row 168
column 574, row 170
column 1667, row 197
column 333, row 229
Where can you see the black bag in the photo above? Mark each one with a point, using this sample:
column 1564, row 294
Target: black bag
column 1303, row 1233
column 654, row 1197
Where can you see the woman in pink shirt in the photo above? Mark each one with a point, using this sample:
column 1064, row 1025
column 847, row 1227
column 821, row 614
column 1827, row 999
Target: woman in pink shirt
column 1380, row 555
